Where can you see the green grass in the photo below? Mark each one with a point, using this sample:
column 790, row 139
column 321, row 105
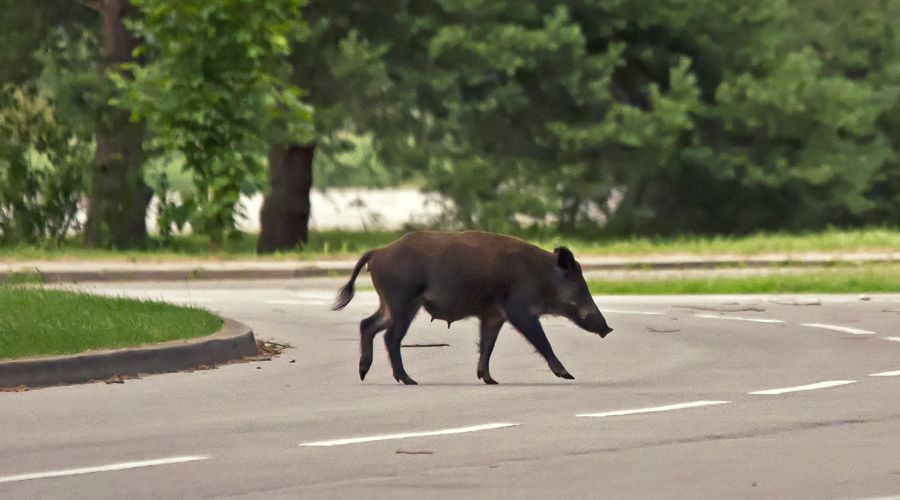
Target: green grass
column 322, row 244
column 832, row 240
column 876, row 278
column 39, row 322
column 349, row 244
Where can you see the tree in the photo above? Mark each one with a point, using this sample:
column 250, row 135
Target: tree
column 792, row 137
column 531, row 113
column 711, row 116
column 118, row 196
column 215, row 90
column 339, row 64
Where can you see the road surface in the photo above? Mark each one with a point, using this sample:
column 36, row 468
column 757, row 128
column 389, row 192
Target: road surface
column 689, row 397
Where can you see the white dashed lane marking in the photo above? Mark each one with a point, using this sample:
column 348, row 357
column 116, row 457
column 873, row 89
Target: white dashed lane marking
column 895, row 373
column 738, row 318
column 655, row 409
column 621, row 311
column 810, row 387
column 836, row 328
column 406, row 435
column 892, row 339
column 100, row 468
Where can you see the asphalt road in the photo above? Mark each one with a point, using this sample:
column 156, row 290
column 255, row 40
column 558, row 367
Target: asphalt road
column 730, row 407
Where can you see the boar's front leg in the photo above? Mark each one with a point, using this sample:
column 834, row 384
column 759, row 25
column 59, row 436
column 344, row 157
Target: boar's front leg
column 490, row 328
column 520, row 316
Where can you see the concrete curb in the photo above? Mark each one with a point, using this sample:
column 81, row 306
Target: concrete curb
column 234, row 341
column 178, row 275
column 53, row 273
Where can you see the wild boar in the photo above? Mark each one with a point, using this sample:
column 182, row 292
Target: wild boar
column 453, row 276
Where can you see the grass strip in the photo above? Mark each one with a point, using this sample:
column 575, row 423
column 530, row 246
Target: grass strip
column 349, row 244
column 884, row 278
column 39, row 322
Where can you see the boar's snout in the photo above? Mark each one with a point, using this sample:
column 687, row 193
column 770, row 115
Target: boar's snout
column 595, row 322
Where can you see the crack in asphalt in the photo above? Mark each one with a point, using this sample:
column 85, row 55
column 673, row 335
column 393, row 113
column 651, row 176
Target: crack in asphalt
column 725, row 308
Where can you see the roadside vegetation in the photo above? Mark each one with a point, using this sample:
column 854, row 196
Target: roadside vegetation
column 350, row 244
column 578, row 117
column 40, row 322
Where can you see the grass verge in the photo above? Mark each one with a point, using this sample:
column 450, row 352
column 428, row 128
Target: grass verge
column 350, row 244
column 40, row 322
column 884, row 278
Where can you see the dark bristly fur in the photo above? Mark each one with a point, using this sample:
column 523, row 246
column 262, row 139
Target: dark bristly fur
column 345, row 295
column 492, row 277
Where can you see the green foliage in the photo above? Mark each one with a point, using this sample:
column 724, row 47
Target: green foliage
column 71, row 73
column 707, row 116
column 345, row 159
column 215, row 90
column 532, row 114
column 43, row 170
column 25, row 26
column 711, row 116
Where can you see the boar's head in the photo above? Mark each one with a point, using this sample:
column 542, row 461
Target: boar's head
column 573, row 300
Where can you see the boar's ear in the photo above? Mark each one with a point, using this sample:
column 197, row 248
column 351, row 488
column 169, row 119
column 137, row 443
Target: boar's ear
column 564, row 258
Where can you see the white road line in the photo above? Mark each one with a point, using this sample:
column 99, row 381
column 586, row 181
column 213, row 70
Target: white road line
column 810, row 387
column 892, row 339
column 895, row 373
column 101, row 468
column 679, row 406
column 621, row 311
column 405, row 435
column 854, row 331
column 738, row 318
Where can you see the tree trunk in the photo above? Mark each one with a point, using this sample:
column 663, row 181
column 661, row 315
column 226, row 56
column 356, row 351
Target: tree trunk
column 284, row 217
column 118, row 195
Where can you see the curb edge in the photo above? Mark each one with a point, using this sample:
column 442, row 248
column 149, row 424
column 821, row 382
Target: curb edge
column 234, row 340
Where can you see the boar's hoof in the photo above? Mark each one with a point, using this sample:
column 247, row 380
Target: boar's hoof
column 406, row 380
column 487, row 378
column 364, row 365
column 566, row 375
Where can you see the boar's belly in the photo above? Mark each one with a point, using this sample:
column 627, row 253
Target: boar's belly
column 444, row 313
column 454, row 307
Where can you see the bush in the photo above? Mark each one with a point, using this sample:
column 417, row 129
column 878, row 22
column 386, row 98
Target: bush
column 43, row 170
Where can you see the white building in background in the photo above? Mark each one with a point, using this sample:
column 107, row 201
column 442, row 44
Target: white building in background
column 348, row 208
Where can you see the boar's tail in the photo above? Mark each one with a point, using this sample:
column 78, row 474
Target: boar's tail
column 345, row 294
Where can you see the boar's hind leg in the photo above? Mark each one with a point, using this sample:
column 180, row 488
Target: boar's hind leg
column 490, row 328
column 368, row 328
column 527, row 323
column 401, row 318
